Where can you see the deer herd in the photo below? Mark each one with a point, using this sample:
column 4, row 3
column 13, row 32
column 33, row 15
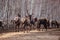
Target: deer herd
column 29, row 23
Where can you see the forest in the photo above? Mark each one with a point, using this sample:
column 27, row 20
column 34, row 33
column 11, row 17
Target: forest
column 49, row 9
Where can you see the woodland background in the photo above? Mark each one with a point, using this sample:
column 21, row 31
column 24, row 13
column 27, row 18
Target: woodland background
column 49, row 9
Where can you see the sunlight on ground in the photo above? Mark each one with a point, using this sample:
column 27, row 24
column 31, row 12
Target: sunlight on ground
column 6, row 35
column 11, row 34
